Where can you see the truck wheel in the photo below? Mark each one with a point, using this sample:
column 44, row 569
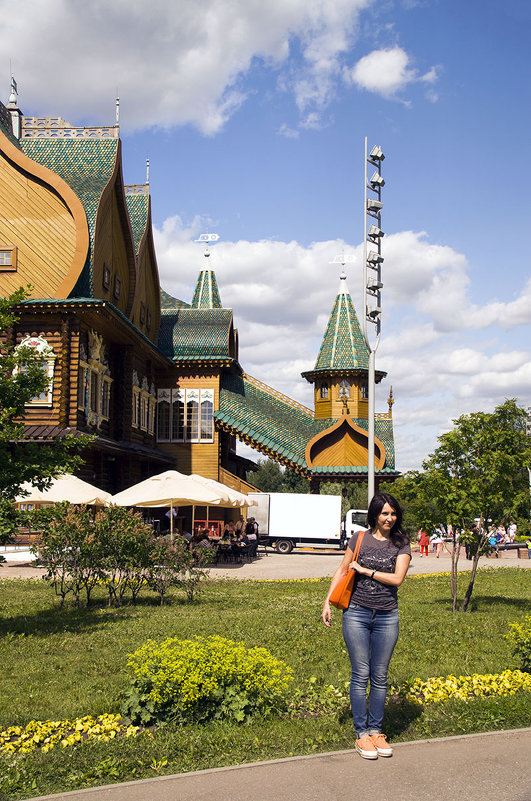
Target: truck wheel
column 284, row 546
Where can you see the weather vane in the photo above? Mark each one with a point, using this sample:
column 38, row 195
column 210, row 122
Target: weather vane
column 206, row 239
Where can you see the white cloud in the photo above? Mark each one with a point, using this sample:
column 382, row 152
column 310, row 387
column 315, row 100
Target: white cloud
column 172, row 63
column 387, row 72
column 282, row 294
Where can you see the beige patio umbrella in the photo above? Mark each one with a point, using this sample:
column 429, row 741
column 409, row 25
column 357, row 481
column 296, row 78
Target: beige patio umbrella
column 231, row 497
column 64, row 488
column 168, row 489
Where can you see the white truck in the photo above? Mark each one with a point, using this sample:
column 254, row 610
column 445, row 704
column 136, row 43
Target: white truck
column 287, row 519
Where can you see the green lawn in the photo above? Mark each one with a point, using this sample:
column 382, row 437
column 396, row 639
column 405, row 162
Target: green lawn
column 63, row 663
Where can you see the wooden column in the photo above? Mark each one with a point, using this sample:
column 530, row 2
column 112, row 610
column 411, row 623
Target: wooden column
column 65, row 383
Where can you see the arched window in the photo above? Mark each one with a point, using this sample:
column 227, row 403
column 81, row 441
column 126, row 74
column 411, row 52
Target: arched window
column 207, row 415
column 344, row 388
column 45, row 351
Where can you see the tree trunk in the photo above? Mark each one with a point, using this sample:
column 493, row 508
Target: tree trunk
column 481, row 544
column 456, row 547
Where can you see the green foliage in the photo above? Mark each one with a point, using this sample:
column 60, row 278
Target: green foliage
column 479, row 469
column 21, row 379
column 520, row 639
column 113, row 547
column 204, row 678
column 10, row 518
column 354, row 496
column 271, row 477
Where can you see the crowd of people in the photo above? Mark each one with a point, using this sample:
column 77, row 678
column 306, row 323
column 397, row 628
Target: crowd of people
column 496, row 535
column 234, row 543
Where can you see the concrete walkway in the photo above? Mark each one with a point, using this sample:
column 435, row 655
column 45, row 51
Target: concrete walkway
column 477, row 767
column 302, row 563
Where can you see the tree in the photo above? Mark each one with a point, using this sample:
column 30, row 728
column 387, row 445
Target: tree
column 21, row 379
column 477, row 474
column 271, row 477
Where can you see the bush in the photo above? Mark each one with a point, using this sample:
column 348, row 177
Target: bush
column 520, row 639
column 202, row 679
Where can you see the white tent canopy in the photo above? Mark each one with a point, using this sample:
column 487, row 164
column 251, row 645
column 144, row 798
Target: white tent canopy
column 64, row 488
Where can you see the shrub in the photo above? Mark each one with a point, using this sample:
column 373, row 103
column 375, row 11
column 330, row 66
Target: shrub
column 520, row 639
column 202, row 679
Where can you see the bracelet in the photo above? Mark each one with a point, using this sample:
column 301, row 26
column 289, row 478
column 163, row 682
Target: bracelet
column 372, row 574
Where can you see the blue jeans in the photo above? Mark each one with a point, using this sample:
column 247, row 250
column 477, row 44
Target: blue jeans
column 370, row 636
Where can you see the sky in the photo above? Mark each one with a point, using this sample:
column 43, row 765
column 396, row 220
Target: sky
column 253, row 116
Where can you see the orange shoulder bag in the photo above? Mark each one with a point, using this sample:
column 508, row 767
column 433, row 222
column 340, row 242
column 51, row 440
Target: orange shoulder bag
column 340, row 597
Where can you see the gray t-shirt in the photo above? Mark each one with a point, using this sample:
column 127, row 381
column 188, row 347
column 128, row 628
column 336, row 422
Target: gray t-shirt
column 379, row 555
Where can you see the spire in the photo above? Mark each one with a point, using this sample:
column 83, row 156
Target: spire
column 206, row 294
column 343, row 346
column 14, row 111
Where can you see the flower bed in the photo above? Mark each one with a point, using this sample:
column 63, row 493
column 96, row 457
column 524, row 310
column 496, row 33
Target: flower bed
column 443, row 688
column 46, row 734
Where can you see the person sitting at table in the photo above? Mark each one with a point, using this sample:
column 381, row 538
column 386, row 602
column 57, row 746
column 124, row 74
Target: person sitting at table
column 229, row 530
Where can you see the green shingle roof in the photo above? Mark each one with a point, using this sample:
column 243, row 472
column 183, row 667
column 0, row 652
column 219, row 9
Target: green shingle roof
column 168, row 302
column 191, row 334
column 138, row 208
column 206, row 294
column 274, row 424
column 343, row 346
column 87, row 166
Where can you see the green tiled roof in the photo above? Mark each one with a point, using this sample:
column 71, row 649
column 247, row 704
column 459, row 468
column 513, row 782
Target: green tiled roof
column 206, row 294
column 343, row 346
column 273, row 424
column 87, row 166
column 169, row 303
column 138, row 208
column 191, row 334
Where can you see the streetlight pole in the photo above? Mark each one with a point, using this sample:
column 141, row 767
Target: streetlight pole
column 372, row 285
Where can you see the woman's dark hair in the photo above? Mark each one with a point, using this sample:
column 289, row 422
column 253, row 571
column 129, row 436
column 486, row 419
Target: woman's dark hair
column 378, row 502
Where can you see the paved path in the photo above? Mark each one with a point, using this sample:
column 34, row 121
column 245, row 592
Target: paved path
column 478, row 767
column 304, row 564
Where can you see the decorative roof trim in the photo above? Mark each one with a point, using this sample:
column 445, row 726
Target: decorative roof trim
column 260, row 447
column 71, row 201
column 345, row 419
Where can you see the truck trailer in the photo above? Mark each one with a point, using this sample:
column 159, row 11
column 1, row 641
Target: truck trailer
column 286, row 520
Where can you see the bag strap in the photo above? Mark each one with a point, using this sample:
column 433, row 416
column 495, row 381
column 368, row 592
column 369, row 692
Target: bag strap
column 357, row 547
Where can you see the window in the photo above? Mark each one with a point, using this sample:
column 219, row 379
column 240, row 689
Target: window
column 142, row 312
column 117, row 287
column 207, row 415
column 105, row 407
column 94, row 391
column 188, row 418
column 192, row 415
column 8, row 259
column 344, row 388
column 106, row 279
column 48, row 364
column 163, row 415
column 364, row 391
column 178, row 416
column 324, row 390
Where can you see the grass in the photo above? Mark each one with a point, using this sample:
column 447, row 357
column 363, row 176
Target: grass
column 63, row 663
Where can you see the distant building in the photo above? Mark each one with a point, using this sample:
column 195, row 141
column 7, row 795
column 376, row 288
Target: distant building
column 156, row 380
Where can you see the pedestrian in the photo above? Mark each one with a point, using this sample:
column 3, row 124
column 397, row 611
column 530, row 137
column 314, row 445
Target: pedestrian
column 424, row 543
column 370, row 623
column 437, row 541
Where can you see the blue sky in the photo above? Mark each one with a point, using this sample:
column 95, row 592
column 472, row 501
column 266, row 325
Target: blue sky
column 253, row 117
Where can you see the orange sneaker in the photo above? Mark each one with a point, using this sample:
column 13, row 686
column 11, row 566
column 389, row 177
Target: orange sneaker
column 366, row 748
column 383, row 748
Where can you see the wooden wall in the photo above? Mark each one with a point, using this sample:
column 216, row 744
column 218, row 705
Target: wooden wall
column 35, row 219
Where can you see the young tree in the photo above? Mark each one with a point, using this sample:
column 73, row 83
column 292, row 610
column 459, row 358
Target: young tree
column 479, row 472
column 21, row 379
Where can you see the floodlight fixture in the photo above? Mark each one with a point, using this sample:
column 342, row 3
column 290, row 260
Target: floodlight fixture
column 375, row 232
column 374, row 257
column 373, row 312
column 374, row 205
column 376, row 154
column 377, row 181
column 373, row 285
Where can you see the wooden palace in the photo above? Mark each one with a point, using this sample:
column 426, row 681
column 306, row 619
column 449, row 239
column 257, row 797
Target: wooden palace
column 156, row 380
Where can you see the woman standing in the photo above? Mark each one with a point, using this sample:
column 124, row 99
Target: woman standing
column 370, row 624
